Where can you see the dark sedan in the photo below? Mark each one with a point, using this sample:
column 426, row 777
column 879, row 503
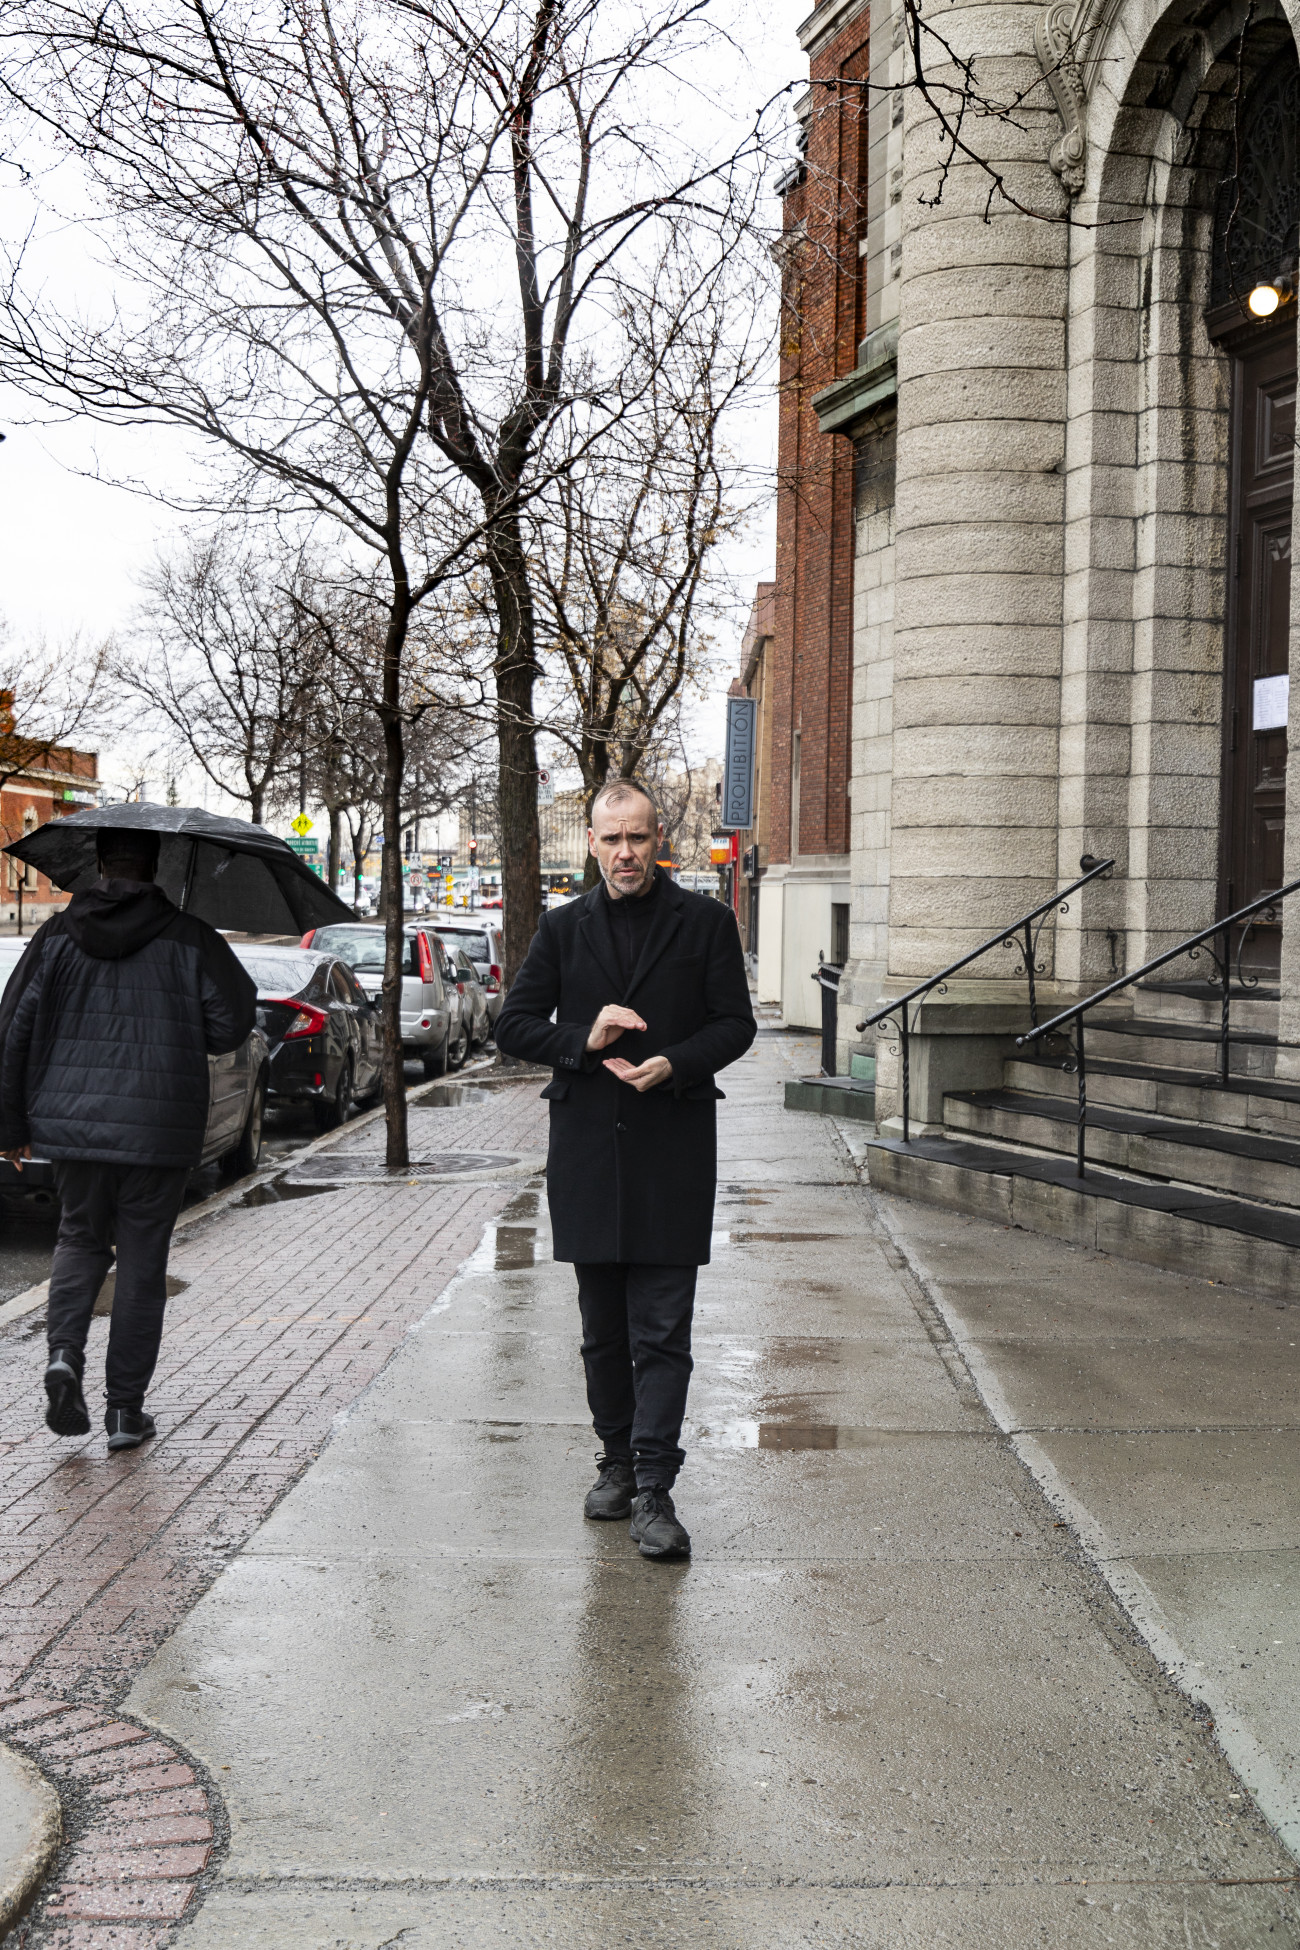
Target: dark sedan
column 324, row 1033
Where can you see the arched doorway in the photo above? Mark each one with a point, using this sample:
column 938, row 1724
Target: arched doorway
column 1257, row 213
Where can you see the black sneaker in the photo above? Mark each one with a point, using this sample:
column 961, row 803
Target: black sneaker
column 655, row 1526
column 65, row 1411
column 128, row 1427
column 610, row 1496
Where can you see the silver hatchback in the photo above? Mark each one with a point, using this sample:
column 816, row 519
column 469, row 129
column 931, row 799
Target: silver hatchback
column 428, row 1014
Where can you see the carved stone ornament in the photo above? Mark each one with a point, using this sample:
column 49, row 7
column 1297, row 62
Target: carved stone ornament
column 1056, row 39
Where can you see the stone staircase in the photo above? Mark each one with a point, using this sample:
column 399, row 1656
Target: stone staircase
column 1182, row 1171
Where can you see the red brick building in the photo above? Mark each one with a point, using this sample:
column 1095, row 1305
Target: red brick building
column 809, row 665
column 62, row 782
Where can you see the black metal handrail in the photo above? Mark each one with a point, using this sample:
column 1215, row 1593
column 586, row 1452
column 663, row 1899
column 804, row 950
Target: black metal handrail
column 1010, row 936
column 1265, row 907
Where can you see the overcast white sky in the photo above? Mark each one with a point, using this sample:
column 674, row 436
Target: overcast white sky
column 74, row 542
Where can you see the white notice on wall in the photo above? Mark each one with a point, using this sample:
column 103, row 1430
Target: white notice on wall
column 1272, row 695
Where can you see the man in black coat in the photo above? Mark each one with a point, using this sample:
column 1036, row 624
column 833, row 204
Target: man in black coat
column 632, row 1168
column 107, row 1026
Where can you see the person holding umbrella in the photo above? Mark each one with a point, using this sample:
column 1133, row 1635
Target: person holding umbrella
column 105, row 1034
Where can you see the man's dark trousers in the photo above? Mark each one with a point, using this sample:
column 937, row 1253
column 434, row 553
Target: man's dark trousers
column 636, row 1348
column 131, row 1208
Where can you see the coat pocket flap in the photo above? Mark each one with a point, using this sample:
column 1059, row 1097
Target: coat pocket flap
column 557, row 1088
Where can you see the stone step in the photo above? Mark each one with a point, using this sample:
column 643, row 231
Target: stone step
column 1144, row 1039
column 1243, row 1163
column 1252, row 1008
column 1217, row 1239
column 833, row 1097
column 1263, row 1104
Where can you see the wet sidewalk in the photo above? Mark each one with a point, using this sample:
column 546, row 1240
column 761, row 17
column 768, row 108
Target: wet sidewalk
column 889, row 1702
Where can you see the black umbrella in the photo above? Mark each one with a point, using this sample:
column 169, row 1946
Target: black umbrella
column 227, row 871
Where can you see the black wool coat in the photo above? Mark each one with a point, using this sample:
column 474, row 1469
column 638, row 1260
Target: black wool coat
column 631, row 1175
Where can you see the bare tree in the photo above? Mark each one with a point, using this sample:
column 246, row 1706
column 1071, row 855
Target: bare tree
column 358, row 245
column 626, row 548
column 50, row 696
column 226, row 658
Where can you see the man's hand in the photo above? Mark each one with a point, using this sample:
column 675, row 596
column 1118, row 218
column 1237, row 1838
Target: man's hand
column 17, row 1155
column 610, row 1024
column 644, row 1076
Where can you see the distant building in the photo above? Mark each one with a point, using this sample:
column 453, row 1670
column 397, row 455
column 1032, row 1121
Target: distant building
column 65, row 783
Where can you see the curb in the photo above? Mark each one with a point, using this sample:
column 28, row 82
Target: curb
column 44, row 1838
column 36, row 1296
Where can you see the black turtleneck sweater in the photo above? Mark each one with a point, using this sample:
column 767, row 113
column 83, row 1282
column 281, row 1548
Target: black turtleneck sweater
column 630, row 917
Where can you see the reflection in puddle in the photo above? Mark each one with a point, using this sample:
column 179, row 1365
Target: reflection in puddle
column 274, row 1191
column 773, row 1435
column 445, row 1096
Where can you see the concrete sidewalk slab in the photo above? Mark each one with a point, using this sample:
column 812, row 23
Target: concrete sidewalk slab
column 1160, row 1413
column 31, row 1829
column 886, row 1703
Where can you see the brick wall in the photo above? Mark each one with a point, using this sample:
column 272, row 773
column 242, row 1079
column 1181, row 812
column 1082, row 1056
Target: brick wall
column 822, row 322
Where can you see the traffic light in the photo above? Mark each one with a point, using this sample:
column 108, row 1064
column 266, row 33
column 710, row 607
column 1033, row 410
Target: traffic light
column 473, row 853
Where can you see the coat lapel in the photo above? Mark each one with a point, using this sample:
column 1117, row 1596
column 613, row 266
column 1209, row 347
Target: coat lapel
column 667, row 920
column 596, row 932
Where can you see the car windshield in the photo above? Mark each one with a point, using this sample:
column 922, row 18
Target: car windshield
column 475, row 945
column 358, row 947
column 282, row 974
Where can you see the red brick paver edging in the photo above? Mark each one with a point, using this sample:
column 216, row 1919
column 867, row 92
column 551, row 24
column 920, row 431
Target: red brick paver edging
column 137, row 1817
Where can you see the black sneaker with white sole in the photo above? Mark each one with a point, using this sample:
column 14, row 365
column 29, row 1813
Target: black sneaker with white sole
column 128, row 1427
column 65, row 1408
column 655, row 1526
column 610, row 1496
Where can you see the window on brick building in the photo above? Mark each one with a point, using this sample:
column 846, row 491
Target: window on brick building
column 839, row 932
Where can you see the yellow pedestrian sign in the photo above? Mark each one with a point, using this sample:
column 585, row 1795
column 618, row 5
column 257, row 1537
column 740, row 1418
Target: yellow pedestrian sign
column 302, row 826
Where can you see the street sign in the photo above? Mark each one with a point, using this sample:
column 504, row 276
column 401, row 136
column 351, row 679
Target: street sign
column 545, row 789
column 303, row 846
column 738, row 765
column 302, row 825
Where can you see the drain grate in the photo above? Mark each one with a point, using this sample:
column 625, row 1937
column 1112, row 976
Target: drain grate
column 444, row 1164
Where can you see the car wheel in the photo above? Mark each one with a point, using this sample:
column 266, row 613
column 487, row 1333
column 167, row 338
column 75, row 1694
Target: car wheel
column 435, row 1061
column 338, row 1108
column 458, row 1050
column 243, row 1159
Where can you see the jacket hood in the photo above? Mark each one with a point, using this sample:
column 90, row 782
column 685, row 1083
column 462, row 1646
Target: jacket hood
column 115, row 918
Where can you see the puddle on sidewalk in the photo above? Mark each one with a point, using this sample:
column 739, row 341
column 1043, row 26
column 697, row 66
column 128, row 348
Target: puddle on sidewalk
column 274, row 1191
column 793, row 1436
column 446, row 1096
column 515, row 1244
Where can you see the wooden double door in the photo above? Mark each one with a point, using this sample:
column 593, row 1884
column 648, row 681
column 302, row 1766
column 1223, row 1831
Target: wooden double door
column 1256, row 677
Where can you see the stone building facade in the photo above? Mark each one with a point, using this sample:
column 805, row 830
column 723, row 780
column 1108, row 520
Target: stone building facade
column 1069, row 445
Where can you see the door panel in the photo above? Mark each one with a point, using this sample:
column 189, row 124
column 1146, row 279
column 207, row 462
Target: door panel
column 1256, row 673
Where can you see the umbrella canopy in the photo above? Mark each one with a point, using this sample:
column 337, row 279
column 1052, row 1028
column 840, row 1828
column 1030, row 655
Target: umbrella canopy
column 227, row 871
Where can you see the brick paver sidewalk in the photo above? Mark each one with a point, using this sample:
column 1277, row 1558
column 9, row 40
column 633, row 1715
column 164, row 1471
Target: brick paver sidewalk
column 290, row 1310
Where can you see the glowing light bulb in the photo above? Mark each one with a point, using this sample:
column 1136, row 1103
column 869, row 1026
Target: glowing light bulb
column 1264, row 300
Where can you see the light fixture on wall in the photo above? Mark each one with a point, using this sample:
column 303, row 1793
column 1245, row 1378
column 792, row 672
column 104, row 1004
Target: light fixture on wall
column 1265, row 298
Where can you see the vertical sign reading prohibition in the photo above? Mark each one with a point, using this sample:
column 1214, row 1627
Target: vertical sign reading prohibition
column 738, row 765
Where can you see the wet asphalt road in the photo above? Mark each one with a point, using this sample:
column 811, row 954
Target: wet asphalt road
column 27, row 1244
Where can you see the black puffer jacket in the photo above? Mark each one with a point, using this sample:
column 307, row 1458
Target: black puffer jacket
column 107, row 1026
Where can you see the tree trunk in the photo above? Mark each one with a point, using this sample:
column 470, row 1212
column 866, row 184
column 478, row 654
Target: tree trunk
column 335, row 854
column 515, row 670
column 390, row 889
column 595, row 771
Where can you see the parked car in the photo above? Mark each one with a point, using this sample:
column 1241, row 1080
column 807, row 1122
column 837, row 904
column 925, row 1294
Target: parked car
column 326, row 1046
column 430, row 1006
column 237, row 1091
column 481, row 940
column 473, row 997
